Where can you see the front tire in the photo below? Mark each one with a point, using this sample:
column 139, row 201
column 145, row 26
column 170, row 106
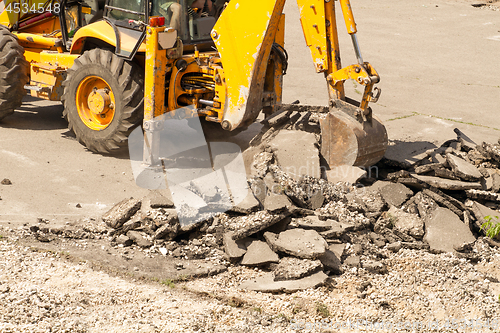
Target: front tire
column 103, row 100
column 13, row 73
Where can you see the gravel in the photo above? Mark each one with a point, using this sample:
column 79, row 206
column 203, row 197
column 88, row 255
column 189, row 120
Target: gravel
column 45, row 292
column 419, row 288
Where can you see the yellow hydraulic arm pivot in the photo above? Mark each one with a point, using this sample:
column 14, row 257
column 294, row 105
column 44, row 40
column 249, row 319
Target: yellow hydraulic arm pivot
column 320, row 31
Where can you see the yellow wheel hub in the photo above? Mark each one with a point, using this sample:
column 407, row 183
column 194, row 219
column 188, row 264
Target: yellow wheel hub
column 95, row 103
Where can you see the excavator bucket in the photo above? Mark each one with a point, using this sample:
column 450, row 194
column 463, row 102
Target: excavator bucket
column 350, row 134
column 346, row 140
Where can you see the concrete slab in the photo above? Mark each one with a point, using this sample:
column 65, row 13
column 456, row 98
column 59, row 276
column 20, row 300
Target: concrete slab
column 266, row 283
column 331, row 262
column 406, row 223
column 337, row 249
column 296, row 152
column 290, row 268
column 298, row 242
column 121, row 212
column 395, row 194
column 448, row 184
column 313, row 222
column 445, row 231
column 259, row 253
column 463, row 169
column 235, row 249
column 345, row 173
column 248, row 205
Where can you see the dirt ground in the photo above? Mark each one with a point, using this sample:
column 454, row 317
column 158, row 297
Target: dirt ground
column 88, row 286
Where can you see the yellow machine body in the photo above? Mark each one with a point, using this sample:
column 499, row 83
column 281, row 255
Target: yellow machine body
column 230, row 68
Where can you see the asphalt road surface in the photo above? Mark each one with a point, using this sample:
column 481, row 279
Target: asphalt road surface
column 438, row 62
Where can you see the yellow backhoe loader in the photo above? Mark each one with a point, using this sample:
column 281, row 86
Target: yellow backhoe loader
column 115, row 64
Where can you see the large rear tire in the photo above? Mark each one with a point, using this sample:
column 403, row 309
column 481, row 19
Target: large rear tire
column 103, row 100
column 13, row 73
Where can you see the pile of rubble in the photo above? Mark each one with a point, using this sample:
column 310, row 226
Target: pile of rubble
column 300, row 224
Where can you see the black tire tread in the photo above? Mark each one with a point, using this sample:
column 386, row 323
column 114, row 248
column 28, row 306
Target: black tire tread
column 131, row 83
column 13, row 73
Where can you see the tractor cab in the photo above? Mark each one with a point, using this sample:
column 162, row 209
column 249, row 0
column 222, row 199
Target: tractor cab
column 192, row 19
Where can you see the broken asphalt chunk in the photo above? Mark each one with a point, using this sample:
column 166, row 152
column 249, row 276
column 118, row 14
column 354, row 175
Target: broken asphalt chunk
column 442, row 201
column 448, row 184
column 121, row 212
column 248, row 205
column 337, row 229
column 463, row 169
column 259, row 253
column 345, row 173
column 445, row 231
column 244, row 226
column 234, row 249
column 406, row 223
column 406, row 154
column 313, row 222
column 298, row 242
column 266, row 283
column 495, row 186
column 290, row 268
column 483, row 195
column 168, row 231
column 331, row 262
column 375, row 267
column 155, row 199
column 427, row 168
column 277, row 203
column 466, row 142
column 395, row 194
column 297, row 153
column 139, row 239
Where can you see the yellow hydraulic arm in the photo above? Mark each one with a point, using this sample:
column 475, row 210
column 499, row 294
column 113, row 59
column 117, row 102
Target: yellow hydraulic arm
column 244, row 35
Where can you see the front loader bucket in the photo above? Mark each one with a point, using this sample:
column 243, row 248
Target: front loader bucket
column 346, row 140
